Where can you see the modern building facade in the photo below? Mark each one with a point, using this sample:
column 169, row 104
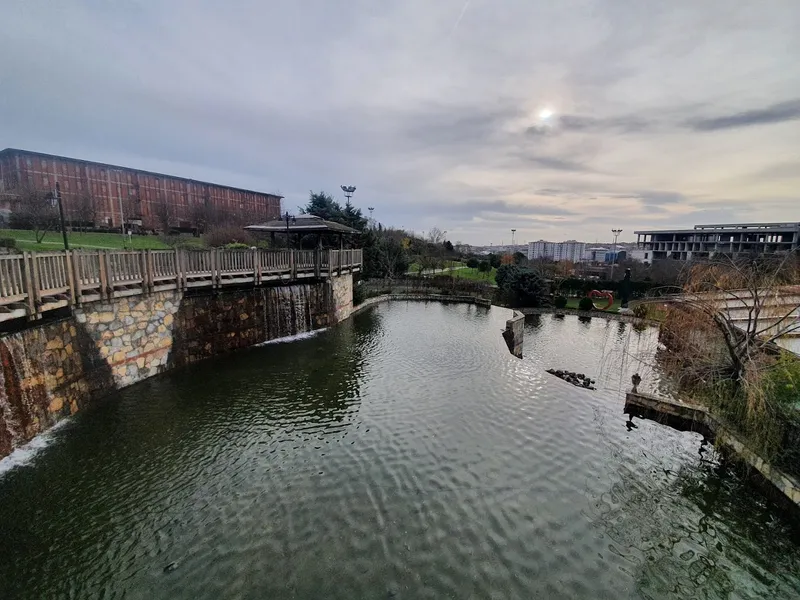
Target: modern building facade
column 557, row 251
column 704, row 241
column 105, row 196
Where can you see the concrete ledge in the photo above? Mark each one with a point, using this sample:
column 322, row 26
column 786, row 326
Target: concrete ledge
column 420, row 298
column 690, row 417
column 514, row 333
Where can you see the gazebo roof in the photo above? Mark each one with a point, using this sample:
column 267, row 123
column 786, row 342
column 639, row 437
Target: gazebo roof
column 302, row 224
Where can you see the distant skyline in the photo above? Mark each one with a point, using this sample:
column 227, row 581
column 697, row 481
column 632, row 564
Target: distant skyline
column 559, row 119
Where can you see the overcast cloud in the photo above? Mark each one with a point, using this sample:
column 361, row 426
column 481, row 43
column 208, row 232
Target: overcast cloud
column 658, row 114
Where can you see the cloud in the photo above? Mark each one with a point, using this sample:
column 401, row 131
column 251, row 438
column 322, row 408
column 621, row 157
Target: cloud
column 437, row 125
column 558, row 164
column 620, row 124
column 776, row 113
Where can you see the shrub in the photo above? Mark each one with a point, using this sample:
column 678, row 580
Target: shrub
column 8, row 243
column 560, row 302
column 640, row 311
column 586, row 304
column 506, row 276
column 237, row 246
column 472, row 263
column 484, row 266
column 228, row 234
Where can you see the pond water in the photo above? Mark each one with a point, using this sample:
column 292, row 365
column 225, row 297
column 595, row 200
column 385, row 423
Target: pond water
column 402, row 454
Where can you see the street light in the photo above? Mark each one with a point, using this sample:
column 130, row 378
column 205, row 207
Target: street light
column 616, row 233
column 294, row 220
column 348, row 191
column 513, row 232
column 57, row 200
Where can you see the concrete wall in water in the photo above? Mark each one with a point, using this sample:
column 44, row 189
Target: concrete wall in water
column 54, row 369
column 514, row 333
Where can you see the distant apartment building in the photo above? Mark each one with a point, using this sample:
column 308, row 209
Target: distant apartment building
column 104, row 196
column 595, row 254
column 557, row 251
column 704, row 241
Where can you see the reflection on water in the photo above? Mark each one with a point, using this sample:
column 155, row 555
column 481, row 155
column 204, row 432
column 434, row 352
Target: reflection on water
column 404, row 454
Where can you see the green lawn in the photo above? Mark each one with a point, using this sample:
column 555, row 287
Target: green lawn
column 475, row 275
column 91, row 241
column 413, row 268
column 573, row 303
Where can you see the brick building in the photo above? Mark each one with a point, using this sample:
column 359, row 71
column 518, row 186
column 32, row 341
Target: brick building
column 100, row 195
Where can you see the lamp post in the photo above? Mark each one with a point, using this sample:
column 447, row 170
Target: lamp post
column 348, row 191
column 57, row 199
column 513, row 232
column 294, row 220
column 616, row 233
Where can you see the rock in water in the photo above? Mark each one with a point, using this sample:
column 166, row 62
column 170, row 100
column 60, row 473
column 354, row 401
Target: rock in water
column 171, row 567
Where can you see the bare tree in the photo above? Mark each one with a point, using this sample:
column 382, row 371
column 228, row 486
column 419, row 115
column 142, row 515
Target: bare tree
column 203, row 215
column 436, row 236
column 84, row 210
column 720, row 332
column 719, row 341
column 35, row 210
column 162, row 211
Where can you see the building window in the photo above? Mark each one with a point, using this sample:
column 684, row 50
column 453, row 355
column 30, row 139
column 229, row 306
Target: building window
column 28, row 162
column 104, row 189
column 44, row 164
column 129, row 177
column 46, row 181
column 80, row 185
column 64, row 169
column 131, row 191
column 66, row 184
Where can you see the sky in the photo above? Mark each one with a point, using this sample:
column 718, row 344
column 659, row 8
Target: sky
column 562, row 119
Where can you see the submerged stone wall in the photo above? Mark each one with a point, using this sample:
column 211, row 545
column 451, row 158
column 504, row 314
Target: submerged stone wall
column 54, row 369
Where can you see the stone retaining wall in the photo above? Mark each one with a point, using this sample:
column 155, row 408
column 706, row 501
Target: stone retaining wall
column 53, row 369
column 690, row 417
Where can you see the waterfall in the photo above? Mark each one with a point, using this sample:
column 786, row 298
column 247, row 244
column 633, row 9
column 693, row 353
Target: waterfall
column 289, row 310
column 24, row 400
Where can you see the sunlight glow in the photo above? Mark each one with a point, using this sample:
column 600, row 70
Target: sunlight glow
column 545, row 114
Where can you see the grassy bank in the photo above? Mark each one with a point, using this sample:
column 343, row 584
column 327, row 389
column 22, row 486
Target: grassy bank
column 53, row 240
column 474, row 275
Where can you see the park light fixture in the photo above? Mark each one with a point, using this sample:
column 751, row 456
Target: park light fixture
column 348, row 191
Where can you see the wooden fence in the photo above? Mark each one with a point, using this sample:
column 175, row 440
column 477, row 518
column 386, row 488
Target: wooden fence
column 35, row 282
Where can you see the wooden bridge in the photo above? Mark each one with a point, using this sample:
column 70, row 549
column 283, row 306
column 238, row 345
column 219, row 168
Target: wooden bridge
column 33, row 283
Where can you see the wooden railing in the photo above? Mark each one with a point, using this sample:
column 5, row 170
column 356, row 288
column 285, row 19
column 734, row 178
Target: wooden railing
column 35, row 282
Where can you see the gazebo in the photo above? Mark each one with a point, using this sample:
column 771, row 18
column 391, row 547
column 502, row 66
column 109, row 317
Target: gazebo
column 303, row 225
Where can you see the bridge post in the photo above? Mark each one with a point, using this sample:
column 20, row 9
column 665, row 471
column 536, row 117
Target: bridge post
column 29, row 288
column 103, row 264
column 73, row 300
column 256, row 266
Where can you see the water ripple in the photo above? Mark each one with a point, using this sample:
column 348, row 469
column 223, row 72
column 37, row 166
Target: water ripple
column 402, row 454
